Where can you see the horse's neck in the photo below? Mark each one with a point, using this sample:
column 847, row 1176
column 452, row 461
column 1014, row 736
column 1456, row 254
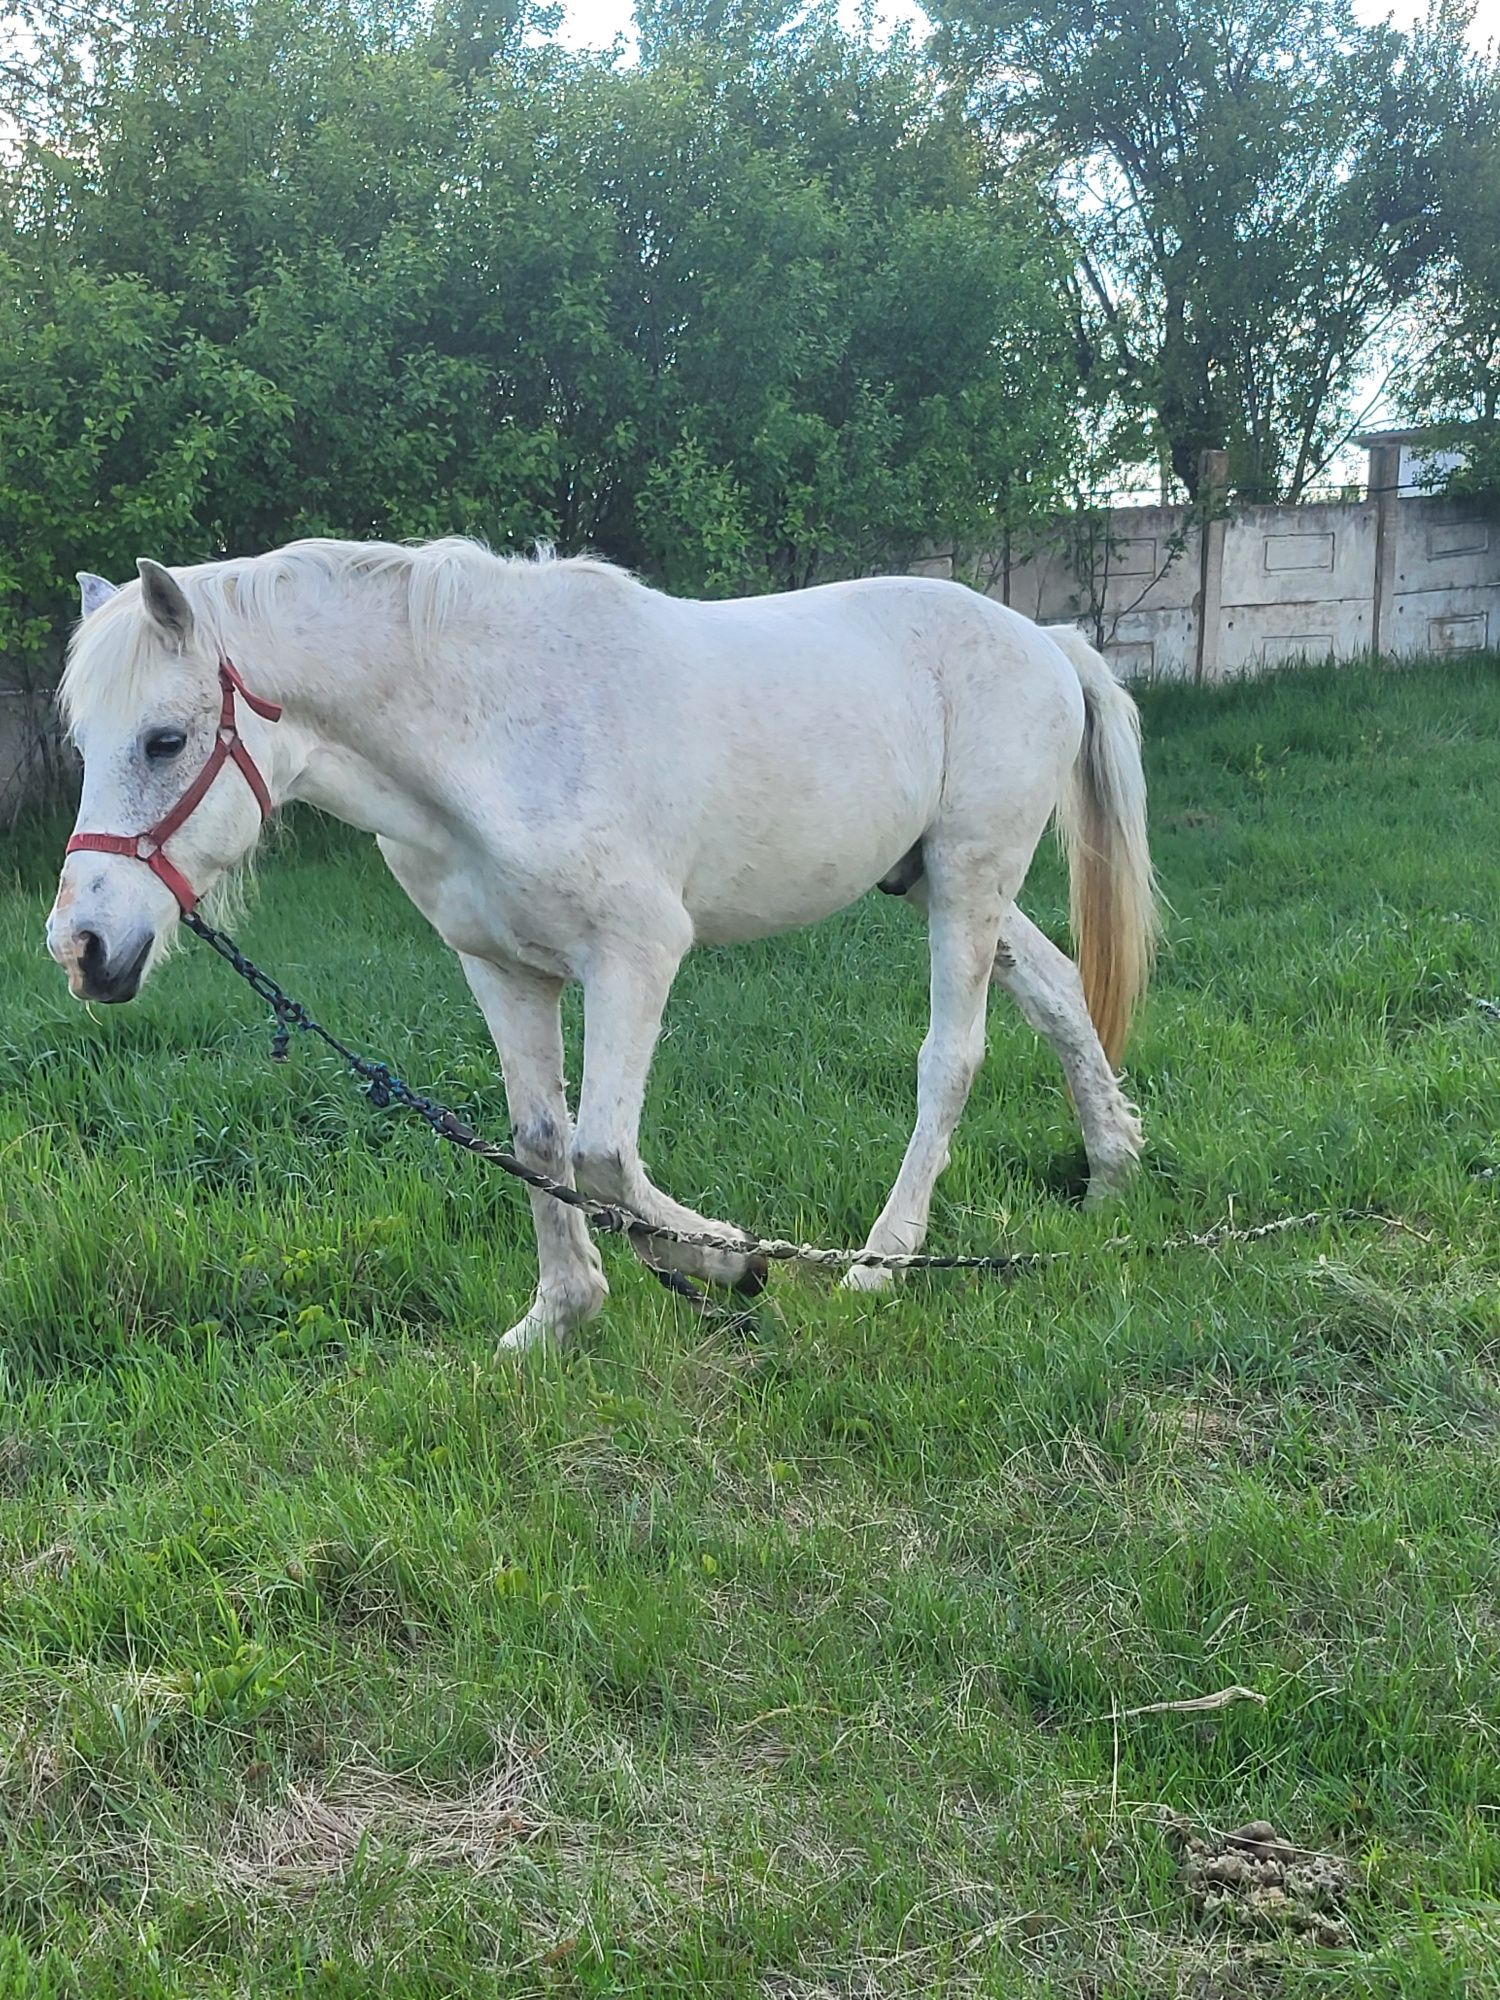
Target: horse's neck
column 365, row 717
column 339, row 657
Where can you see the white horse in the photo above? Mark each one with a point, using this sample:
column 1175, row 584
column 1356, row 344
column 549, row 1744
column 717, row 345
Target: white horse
column 575, row 777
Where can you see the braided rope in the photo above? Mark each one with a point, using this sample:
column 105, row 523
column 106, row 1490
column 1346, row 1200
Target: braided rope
column 615, row 1218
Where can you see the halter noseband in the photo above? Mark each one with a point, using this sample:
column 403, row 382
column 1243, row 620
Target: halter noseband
column 228, row 744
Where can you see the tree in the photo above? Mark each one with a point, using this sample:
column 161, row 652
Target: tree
column 1455, row 373
column 743, row 315
column 1452, row 381
column 1247, row 184
column 282, row 182
column 852, row 346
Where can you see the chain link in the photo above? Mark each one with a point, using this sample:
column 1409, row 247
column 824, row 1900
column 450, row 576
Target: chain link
column 384, row 1088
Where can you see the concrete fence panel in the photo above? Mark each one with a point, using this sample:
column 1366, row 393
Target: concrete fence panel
column 1208, row 593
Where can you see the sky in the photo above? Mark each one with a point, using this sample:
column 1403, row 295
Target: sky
column 595, row 23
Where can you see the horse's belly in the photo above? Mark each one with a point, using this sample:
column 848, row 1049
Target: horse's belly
column 765, row 909
column 816, row 804
column 802, row 868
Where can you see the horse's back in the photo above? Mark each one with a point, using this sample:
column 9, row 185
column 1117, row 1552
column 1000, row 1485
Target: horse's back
column 867, row 626
column 873, row 647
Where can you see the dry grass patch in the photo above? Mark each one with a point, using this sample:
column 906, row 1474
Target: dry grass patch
column 319, row 1829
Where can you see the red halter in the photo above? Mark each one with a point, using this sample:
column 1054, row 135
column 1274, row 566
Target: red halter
column 148, row 846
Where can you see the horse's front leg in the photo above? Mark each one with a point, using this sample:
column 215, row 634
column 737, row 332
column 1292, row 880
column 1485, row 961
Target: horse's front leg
column 624, row 993
column 523, row 1011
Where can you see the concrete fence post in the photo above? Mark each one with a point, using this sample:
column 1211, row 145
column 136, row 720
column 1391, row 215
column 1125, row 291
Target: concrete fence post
column 1213, row 486
column 1384, row 488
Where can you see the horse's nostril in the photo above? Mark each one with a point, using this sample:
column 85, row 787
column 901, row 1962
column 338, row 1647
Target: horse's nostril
column 90, row 952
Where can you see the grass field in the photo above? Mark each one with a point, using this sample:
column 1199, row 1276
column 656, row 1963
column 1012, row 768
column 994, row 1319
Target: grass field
column 337, row 1659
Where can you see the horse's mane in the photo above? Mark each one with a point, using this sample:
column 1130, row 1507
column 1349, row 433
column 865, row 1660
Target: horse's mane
column 242, row 598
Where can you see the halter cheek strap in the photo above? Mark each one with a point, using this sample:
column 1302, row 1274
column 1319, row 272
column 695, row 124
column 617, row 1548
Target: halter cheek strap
column 228, row 747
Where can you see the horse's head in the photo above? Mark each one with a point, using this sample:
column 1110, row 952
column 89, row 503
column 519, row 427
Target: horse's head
column 150, row 700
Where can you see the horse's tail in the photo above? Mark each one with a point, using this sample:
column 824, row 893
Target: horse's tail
column 1102, row 816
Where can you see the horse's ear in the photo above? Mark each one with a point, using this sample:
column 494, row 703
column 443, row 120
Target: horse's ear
column 166, row 604
column 96, row 590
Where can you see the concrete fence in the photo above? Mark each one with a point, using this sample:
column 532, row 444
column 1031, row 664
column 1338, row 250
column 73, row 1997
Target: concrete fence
column 28, row 747
column 1200, row 594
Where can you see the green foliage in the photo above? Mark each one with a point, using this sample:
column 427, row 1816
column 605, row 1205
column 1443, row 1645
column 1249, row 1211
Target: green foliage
column 1252, row 192
column 115, row 415
column 1478, row 478
column 768, row 306
column 744, row 315
column 337, row 1657
column 1456, row 377
column 891, row 353
column 1453, row 380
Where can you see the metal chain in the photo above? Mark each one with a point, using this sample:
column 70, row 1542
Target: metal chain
column 615, row 1218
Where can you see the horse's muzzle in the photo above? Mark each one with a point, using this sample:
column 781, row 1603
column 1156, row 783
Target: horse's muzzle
column 111, row 980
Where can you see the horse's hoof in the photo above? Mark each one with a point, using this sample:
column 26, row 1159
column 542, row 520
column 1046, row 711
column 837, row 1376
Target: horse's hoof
column 555, row 1316
column 753, row 1279
column 866, row 1278
column 528, row 1336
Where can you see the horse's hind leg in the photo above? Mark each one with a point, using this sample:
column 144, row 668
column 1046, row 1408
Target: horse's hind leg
column 964, row 904
column 624, row 994
column 1045, row 985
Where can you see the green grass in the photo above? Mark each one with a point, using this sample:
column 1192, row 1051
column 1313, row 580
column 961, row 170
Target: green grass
column 337, row 1659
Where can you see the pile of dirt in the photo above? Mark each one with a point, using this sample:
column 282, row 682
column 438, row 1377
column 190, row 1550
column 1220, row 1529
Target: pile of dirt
column 1256, row 1881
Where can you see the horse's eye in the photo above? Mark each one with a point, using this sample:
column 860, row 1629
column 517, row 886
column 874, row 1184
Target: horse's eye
column 164, row 743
